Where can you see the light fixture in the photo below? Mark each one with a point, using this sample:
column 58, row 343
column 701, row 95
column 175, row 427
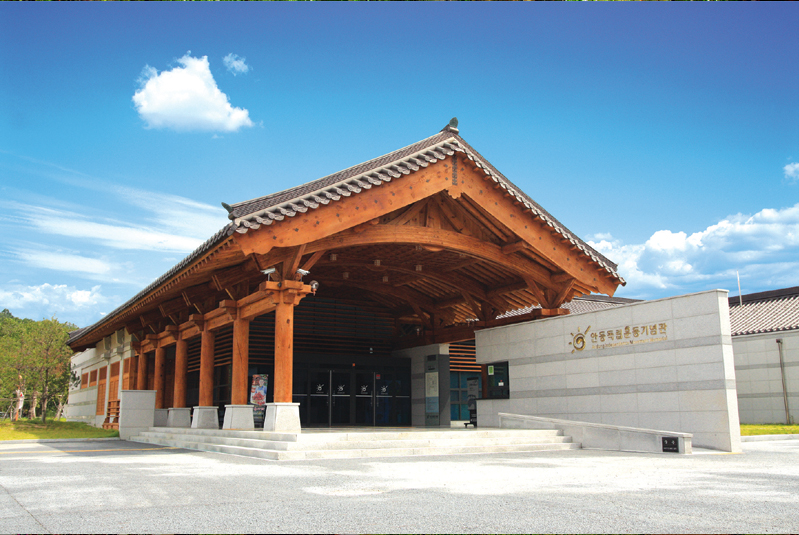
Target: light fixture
column 314, row 287
column 268, row 272
column 303, row 272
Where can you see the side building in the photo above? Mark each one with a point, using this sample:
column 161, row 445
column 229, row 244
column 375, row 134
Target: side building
column 765, row 339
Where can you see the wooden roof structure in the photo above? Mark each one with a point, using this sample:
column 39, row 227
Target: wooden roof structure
column 432, row 232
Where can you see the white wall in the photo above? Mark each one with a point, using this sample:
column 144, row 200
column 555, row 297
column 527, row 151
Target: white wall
column 681, row 378
column 759, row 379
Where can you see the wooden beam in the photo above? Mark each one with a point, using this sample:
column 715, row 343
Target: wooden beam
column 510, row 248
column 257, row 304
column 473, row 247
column 336, row 217
column 508, row 288
column 291, row 264
column 409, row 214
column 455, row 281
column 561, row 295
column 311, row 262
column 466, row 263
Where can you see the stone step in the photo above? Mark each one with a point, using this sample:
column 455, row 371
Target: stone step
column 365, row 441
column 312, row 436
column 183, row 442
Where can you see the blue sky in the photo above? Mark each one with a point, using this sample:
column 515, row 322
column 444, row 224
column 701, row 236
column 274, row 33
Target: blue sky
column 666, row 135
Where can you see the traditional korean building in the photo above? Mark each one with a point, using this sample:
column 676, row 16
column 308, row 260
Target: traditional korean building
column 337, row 290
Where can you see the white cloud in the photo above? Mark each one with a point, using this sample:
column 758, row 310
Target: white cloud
column 791, row 172
column 187, row 98
column 64, row 262
column 235, row 64
column 48, row 300
column 110, row 233
column 763, row 246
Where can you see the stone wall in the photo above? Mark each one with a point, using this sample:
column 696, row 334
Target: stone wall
column 666, row 364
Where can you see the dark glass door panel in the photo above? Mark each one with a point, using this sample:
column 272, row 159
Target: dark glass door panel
column 319, row 397
column 341, row 402
column 384, row 410
column 364, row 398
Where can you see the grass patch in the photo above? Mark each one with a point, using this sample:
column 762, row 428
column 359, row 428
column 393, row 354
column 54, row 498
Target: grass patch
column 34, row 429
column 768, row 429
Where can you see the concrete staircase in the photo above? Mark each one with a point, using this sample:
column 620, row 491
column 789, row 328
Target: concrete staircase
column 360, row 442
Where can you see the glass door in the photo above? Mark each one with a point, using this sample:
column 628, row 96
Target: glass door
column 364, row 398
column 319, row 397
column 341, row 398
column 384, row 398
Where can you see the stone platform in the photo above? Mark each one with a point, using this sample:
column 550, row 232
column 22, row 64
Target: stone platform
column 337, row 443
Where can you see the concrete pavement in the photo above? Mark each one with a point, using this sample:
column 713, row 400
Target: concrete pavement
column 126, row 487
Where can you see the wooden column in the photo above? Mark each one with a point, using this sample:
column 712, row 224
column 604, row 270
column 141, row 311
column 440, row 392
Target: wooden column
column 284, row 348
column 158, row 379
column 141, row 375
column 241, row 358
column 207, row 368
column 181, row 367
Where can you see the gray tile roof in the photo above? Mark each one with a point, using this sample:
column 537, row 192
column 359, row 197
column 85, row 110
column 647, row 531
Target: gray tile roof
column 765, row 312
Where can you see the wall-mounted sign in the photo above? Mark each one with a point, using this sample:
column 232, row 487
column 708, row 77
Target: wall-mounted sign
column 671, row 445
column 620, row 336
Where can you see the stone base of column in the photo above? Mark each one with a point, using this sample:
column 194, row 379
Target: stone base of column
column 160, row 417
column 205, row 418
column 238, row 417
column 282, row 417
column 179, row 417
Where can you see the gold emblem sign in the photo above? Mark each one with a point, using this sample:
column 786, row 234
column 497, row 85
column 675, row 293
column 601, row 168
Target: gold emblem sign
column 578, row 340
column 622, row 336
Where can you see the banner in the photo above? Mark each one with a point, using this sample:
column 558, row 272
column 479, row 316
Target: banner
column 258, row 398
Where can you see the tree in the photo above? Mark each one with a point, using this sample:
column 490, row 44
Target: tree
column 34, row 358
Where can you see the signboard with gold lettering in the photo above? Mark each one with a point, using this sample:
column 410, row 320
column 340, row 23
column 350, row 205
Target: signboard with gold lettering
column 619, row 336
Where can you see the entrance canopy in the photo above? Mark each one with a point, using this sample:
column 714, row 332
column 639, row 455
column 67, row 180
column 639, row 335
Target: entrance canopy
column 432, row 231
column 431, row 236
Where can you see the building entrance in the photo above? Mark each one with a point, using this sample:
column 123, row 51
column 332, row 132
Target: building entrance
column 336, row 397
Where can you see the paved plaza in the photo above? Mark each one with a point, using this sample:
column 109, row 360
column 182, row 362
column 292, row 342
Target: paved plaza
column 126, row 487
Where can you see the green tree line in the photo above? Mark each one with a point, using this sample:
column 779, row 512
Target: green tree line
column 35, row 370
